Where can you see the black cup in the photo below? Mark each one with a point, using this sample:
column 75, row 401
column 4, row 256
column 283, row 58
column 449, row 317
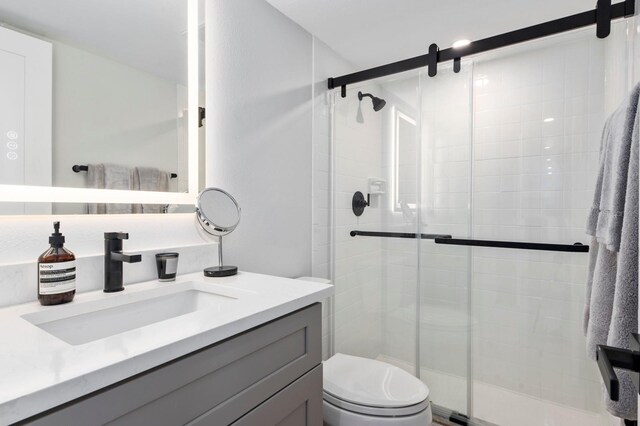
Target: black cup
column 167, row 264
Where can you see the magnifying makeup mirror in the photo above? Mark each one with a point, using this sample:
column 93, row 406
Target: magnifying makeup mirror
column 218, row 213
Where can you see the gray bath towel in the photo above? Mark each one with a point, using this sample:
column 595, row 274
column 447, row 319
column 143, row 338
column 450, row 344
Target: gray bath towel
column 612, row 286
column 607, row 211
column 624, row 318
column 109, row 176
column 600, row 293
column 150, row 179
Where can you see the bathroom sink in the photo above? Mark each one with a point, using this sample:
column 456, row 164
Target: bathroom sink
column 84, row 322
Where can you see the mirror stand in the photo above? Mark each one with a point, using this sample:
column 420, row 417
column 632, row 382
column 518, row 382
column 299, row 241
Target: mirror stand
column 221, row 270
column 218, row 213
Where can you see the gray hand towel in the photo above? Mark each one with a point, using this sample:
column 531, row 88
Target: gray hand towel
column 109, row 176
column 95, row 179
column 150, row 179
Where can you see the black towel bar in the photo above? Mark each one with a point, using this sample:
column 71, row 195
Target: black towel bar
column 447, row 239
column 78, row 168
column 571, row 248
column 398, row 235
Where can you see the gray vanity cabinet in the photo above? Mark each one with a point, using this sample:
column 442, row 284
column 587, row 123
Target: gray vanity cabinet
column 269, row 375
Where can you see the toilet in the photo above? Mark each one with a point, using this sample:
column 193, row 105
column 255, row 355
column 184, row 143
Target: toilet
column 365, row 392
column 360, row 391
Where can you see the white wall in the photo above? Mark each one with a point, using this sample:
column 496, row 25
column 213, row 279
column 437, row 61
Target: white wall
column 259, row 69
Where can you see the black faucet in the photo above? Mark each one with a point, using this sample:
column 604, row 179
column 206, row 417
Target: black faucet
column 113, row 258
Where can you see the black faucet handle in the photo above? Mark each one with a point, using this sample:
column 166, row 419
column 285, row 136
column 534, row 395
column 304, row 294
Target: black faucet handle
column 126, row 257
column 116, row 235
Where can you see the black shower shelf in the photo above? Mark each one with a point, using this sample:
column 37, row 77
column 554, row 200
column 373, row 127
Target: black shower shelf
column 447, row 239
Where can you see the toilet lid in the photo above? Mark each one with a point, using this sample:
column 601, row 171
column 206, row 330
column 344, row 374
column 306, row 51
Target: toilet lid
column 372, row 383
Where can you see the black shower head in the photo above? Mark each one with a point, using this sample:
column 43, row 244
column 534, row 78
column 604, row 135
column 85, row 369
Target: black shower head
column 378, row 103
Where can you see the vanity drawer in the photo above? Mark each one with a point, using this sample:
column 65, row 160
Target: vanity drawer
column 227, row 379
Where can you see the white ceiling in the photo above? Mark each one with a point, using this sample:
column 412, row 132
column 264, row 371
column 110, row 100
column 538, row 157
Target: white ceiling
column 146, row 34
column 374, row 32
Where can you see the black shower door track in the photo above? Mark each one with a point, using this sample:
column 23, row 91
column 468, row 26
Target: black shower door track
column 601, row 16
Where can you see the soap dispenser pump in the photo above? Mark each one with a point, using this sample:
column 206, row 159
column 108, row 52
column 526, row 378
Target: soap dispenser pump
column 56, row 271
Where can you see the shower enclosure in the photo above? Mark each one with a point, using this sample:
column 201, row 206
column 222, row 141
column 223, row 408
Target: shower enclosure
column 504, row 150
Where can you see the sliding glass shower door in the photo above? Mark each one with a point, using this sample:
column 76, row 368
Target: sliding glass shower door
column 381, row 309
column 538, row 116
column 445, row 326
column 510, row 153
column 504, row 150
column 366, row 307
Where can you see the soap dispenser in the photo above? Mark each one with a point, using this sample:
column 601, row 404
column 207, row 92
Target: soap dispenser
column 56, row 271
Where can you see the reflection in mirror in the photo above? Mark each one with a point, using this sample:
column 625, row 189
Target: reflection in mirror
column 219, row 214
column 406, row 151
column 220, row 210
column 94, row 95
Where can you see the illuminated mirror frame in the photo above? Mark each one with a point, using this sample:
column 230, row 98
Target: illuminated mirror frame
column 39, row 194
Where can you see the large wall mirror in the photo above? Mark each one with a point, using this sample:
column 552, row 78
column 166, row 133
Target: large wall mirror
column 101, row 108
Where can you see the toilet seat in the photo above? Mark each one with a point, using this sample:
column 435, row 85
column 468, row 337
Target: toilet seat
column 372, row 387
column 375, row 411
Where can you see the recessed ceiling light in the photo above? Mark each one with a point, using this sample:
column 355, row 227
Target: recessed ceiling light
column 461, row 43
column 549, row 120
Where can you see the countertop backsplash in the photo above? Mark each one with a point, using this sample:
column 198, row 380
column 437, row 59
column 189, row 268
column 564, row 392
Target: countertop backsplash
column 23, row 239
column 18, row 282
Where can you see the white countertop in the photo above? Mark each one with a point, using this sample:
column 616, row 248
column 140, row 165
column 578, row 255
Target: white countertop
column 39, row 371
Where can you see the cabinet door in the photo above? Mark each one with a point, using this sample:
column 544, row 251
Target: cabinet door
column 299, row 404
